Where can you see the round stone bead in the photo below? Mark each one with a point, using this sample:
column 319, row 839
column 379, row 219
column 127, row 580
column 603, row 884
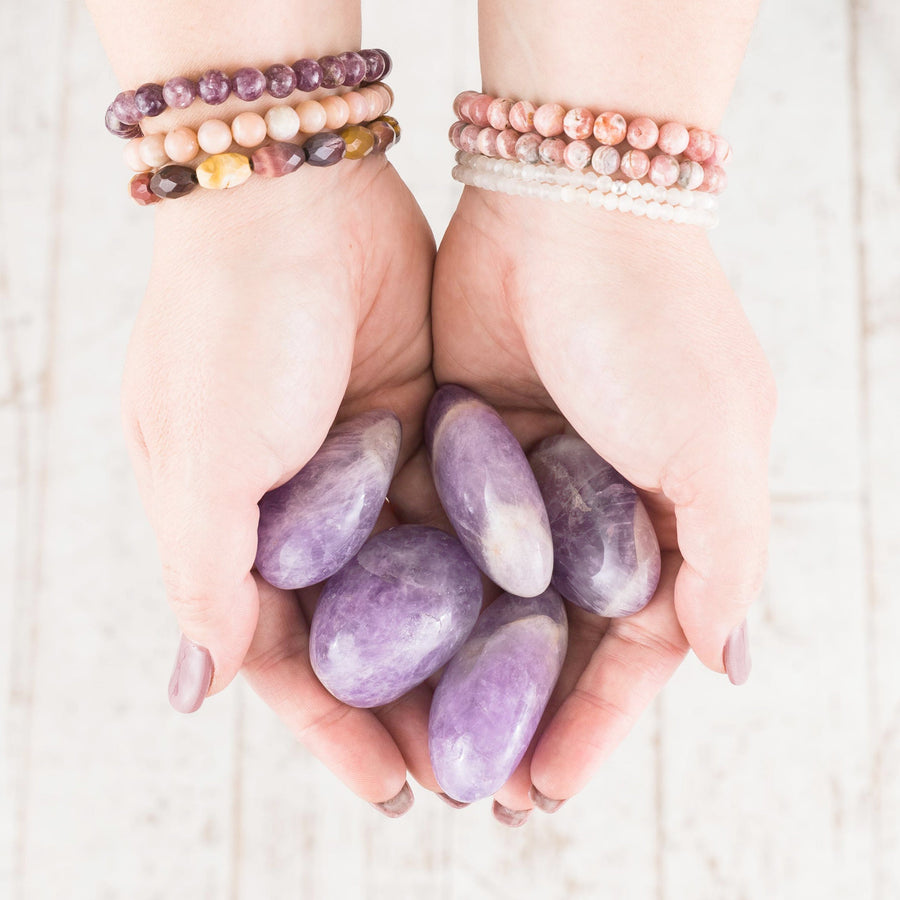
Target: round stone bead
column 133, row 156
column 275, row 160
column 714, row 179
column 152, row 150
column 375, row 65
column 248, row 83
column 528, row 147
column 673, row 138
column 548, row 119
column 333, row 72
column 551, row 151
column 180, row 92
column 635, row 164
column 506, row 143
column 223, row 170
column 337, row 112
column 478, row 110
column 324, row 149
column 642, row 133
column 171, row 182
column 149, row 100
column 690, row 175
column 281, row 81
column 214, row 136
column 521, row 116
column 394, row 124
column 461, row 101
column 700, row 145
column 387, row 96
column 248, row 129
column 577, row 155
column 309, row 74
column 182, row 145
column 388, row 62
column 606, row 160
column 312, row 116
column 384, row 136
column 117, row 128
column 282, row 123
column 358, row 106
column 610, row 128
column 664, row 170
column 359, row 141
column 214, row 87
column 139, row 188
column 468, row 139
column 125, row 108
column 721, row 151
column 374, row 99
column 579, row 123
column 498, row 113
column 354, row 68
column 486, row 143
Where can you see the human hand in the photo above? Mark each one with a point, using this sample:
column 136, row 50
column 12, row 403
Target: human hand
column 270, row 310
column 628, row 331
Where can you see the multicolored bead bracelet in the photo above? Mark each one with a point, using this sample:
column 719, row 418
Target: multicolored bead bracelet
column 249, row 129
column 587, row 188
column 226, row 170
column 350, row 68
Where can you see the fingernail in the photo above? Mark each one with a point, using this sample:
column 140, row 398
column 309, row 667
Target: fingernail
column 398, row 805
column 456, row 804
column 513, row 818
column 737, row 655
column 191, row 677
column 544, row 804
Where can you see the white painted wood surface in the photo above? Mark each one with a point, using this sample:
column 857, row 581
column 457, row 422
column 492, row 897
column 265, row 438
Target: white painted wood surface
column 787, row 788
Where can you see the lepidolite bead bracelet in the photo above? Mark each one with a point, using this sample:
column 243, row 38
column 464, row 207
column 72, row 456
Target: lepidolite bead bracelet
column 350, row 68
column 249, row 129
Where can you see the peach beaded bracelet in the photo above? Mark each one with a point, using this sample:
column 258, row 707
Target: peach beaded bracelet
column 249, row 129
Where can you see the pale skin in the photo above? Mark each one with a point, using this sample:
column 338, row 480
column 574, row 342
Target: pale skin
column 248, row 345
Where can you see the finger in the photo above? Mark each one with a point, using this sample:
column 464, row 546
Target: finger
column 351, row 742
column 632, row 662
column 722, row 519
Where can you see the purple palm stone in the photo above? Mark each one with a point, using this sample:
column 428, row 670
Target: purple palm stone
column 313, row 524
column 488, row 491
column 393, row 615
column 491, row 696
column 606, row 555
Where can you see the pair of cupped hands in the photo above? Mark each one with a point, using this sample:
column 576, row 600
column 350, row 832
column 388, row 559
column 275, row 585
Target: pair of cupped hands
column 279, row 307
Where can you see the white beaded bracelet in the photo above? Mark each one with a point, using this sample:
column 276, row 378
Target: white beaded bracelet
column 586, row 188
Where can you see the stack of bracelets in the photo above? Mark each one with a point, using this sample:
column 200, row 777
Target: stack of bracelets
column 668, row 172
column 316, row 132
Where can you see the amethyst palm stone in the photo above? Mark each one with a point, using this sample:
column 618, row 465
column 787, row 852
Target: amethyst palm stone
column 313, row 524
column 606, row 554
column 488, row 491
column 490, row 699
column 393, row 615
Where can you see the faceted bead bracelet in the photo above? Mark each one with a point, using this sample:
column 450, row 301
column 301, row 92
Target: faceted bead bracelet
column 350, row 68
column 226, row 170
column 249, row 129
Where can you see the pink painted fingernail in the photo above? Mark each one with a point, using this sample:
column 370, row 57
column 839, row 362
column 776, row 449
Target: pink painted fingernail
column 456, row 804
column 191, row 677
column 513, row 818
column 398, row 805
column 542, row 802
column 737, row 655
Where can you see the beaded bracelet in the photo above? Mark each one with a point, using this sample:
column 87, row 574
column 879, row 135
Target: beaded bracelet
column 350, row 68
column 596, row 191
column 248, row 129
column 608, row 128
column 226, row 170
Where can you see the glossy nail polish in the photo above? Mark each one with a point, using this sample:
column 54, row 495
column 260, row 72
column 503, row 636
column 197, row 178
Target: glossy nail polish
column 543, row 803
column 456, row 804
column 191, row 677
column 512, row 818
column 397, row 805
column 737, row 655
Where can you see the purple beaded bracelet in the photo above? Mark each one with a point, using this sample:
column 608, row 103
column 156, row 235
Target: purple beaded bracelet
column 214, row 87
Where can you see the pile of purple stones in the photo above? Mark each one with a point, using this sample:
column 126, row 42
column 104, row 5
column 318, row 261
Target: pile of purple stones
column 399, row 606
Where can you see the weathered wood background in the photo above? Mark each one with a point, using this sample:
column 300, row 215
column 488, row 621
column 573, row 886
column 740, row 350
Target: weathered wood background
column 787, row 788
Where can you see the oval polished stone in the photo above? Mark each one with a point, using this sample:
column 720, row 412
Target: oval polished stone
column 275, row 160
column 606, row 554
column 171, row 182
column 223, row 170
column 324, row 149
column 491, row 696
column 315, row 523
column 393, row 615
column 488, row 491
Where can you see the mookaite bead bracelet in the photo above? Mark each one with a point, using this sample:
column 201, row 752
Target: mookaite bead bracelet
column 249, row 129
column 350, row 68
column 226, row 170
